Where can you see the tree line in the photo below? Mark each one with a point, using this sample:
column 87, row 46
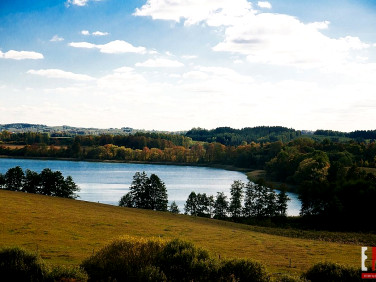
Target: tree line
column 248, row 200
column 48, row 182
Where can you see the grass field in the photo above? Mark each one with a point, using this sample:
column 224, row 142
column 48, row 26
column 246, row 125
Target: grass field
column 66, row 231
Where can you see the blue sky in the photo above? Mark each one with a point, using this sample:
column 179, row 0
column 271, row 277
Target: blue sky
column 178, row 64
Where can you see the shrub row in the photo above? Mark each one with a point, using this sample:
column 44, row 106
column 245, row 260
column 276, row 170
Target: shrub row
column 133, row 259
column 138, row 259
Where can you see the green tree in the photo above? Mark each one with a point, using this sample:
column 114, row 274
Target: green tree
column 282, row 200
column 158, row 193
column 250, row 199
column 67, row 189
column 271, row 203
column 2, row 181
column 32, row 182
column 202, row 205
column 220, row 206
column 173, row 208
column 127, row 201
column 190, row 206
column 14, row 179
column 236, row 192
column 146, row 193
column 139, row 190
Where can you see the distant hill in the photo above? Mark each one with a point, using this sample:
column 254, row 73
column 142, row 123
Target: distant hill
column 233, row 137
column 62, row 130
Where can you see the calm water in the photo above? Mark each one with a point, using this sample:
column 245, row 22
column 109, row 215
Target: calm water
column 108, row 182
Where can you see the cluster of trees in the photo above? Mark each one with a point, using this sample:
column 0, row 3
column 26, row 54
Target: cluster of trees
column 358, row 134
column 344, row 198
column 304, row 159
column 138, row 140
column 234, row 137
column 146, row 193
column 246, row 201
column 48, row 182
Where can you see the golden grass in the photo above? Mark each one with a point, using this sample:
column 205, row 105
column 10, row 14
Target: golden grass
column 67, row 231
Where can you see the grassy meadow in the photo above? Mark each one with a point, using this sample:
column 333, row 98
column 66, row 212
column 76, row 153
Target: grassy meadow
column 66, row 231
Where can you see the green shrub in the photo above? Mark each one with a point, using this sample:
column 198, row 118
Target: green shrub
column 125, row 259
column 332, row 272
column 182, row 261
column 17, row 264
column 67, row 273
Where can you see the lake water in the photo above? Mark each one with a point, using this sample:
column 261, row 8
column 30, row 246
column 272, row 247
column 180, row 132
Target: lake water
column 108, row 182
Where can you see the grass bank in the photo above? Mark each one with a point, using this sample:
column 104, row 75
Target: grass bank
column 67, row 231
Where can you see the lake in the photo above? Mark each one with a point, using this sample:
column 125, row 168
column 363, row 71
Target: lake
column 108, row 182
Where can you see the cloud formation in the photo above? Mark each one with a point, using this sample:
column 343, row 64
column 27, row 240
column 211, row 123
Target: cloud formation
column 21, row 55
column 193, row 11
column 56, row 73
column 113, row 47
column 95, row 33
column 266, row 38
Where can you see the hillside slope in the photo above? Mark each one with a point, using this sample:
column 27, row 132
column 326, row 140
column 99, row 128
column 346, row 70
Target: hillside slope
column 66, row 231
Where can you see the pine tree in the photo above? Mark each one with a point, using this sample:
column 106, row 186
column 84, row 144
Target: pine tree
column 158, row 194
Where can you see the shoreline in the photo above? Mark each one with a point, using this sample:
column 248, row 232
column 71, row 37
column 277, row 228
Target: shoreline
column 219, row 166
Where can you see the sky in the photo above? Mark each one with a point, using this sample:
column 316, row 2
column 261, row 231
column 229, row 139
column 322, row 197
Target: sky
column 178, row 64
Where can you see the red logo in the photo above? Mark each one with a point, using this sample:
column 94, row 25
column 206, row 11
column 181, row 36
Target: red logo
column 368, row 275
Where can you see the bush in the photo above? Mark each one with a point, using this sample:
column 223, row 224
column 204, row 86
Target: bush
column 125, row 259
column 17, row 264
column 182, row 261
column 332, row 272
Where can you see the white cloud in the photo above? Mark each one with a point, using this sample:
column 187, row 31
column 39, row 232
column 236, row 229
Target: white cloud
column 265, row 38
column 21, row 55
column 113, row 47
column 160, row 63
column 95, row 33
column 99, row 33
column 264, row 4
column 56, row 38
column 56, row 73
column 86, row 45
column 284, row 40
column 192, row 11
